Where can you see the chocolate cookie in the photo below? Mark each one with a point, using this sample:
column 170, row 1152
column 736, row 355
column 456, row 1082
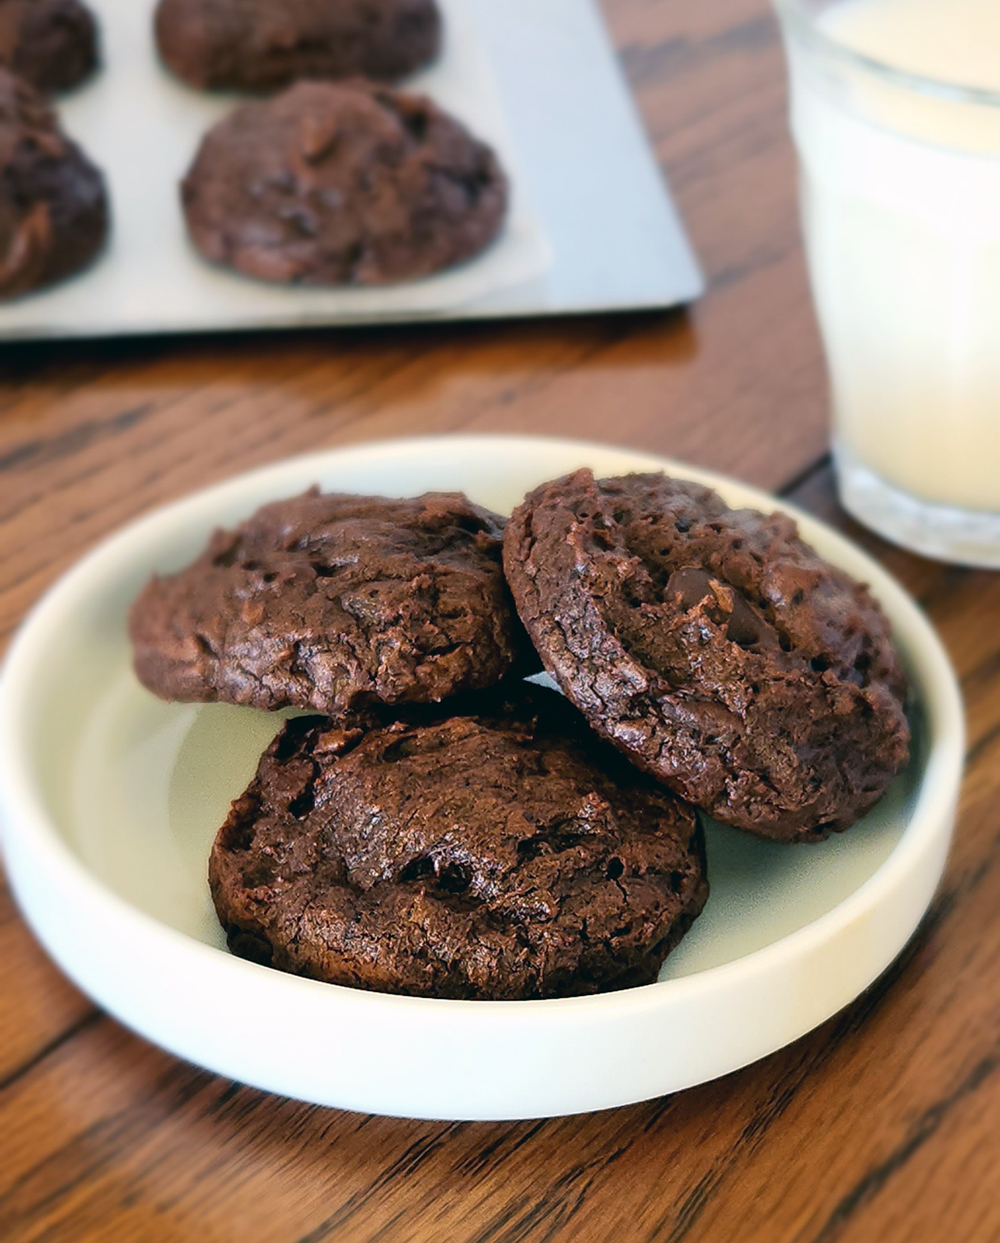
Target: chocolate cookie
column 53, row 206
column 253, row 45
column 342, row 184
column 714, row 648
column 503, row 853
column 331, row 602
column 50, row 43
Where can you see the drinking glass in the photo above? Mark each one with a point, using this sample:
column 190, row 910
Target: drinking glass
column 900, row 196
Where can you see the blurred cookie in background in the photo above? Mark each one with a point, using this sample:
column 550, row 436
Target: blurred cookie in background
column 53, row 202
column 50, row 43
column 258, row 45
column 343, row 184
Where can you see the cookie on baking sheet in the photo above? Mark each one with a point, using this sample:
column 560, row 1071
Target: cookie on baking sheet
column 501, row 853
column 714, row 648
column 331, row 602
column 50, row 43
column 53, row 203
column 255, row 45
column 342, row 184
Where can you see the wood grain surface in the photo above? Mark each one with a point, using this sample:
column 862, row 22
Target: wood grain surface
column 880, row 1126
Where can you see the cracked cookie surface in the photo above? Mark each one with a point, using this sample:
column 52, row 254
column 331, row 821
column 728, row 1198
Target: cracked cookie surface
column 714, row 648
column 498, row 852
column 331, row 602
column 256, row 45
column 342, row 184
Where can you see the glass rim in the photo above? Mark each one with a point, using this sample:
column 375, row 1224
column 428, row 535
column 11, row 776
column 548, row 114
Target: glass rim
column 804, row 24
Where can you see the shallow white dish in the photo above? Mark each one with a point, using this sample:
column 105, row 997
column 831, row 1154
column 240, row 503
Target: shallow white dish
column 109, row 800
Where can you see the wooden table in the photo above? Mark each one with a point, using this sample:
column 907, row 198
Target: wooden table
column 882, row 1125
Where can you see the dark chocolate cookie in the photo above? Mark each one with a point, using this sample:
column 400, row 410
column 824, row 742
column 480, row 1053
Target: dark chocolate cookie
column 714, row 648
column 50, row 43
column 332, row 602
column 503, row 853
column 342, row 184
column 53, row 205
column 253, row 45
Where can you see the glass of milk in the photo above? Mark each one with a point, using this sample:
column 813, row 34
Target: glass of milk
column 896, row 117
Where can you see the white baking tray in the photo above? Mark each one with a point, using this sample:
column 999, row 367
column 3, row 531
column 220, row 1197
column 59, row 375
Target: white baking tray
column 591, row 226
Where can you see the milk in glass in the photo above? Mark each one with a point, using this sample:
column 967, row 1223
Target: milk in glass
column 900, row 158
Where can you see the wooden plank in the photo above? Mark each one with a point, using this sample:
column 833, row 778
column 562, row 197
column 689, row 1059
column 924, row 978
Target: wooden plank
column 40, row 1007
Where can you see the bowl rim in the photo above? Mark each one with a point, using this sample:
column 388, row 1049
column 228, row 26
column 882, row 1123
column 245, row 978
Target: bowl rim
column 24, row 813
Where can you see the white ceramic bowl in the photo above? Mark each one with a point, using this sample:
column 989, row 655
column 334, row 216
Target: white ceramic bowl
column 110, row 799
